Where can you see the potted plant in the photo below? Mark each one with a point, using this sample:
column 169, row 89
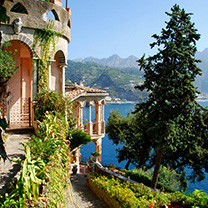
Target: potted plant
column 95, row 156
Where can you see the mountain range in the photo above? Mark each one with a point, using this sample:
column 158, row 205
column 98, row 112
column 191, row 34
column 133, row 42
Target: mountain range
column 112, row 61
column 118, row 76
column 118, row 82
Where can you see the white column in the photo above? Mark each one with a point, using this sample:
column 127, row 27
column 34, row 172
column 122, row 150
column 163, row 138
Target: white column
column 81, row 115
column 103, row 107
column 90, row 119
column 77, row 155
column 103, row 120
column 63, row 80
column 98, row 147
column 99, row 118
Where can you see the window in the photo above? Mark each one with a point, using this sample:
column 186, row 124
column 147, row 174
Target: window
column 53, row 15
column 19, row 8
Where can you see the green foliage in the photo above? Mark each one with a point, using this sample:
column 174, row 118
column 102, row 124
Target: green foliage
column 8, row 202
column 51, row 145
column 126, row 132
column 45, row 43
column 7, row 69
column 58, row 181
column 168, row 181
column 138, row 195
column 24, row 192
column 79, row 138
column 7, row 63
column 51, row 101
column 95, row 153
column 172, row 114
column 50, row 137
column 116, row 190
column 30, row 178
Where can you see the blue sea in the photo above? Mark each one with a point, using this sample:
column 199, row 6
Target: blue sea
column 109, row 149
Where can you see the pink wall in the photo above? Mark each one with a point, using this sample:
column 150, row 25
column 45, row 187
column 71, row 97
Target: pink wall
column 56, row 75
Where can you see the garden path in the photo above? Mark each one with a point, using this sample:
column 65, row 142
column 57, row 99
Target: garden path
column 14, row 149
column 82, row 195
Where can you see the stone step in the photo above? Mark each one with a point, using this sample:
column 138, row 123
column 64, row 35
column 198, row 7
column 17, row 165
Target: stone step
column 20, row 130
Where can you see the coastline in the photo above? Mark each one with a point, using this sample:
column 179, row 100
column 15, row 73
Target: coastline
column 134, row 102
column 120, row 102
column 202, row 100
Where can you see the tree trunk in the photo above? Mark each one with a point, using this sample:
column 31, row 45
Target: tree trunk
column 127, row 165
column 157, row 168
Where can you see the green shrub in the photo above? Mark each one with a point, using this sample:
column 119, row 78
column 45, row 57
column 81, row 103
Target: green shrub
column 58, row 180
column 52, row 102
column 168, row 179
column 50, row 137
column 79, row 138
column 30, row 178
column 145, row 179
column 117, row 190
column 139, row 195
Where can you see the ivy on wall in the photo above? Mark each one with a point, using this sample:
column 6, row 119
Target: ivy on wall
column 44, row 45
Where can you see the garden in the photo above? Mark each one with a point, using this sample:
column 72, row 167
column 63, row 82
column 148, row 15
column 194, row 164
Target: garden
column 126, row 194
column 44, row 179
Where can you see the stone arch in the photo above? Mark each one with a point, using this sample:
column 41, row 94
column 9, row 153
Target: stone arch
column 20, row 86
column 19, row 8
column 21, row 38
column 54, row 13
column 69, row 23
column 56, row 76
column 61, row 56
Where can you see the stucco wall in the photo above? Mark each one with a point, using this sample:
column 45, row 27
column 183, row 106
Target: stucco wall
column 36, row 18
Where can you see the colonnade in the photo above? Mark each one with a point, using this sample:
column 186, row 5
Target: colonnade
column 95, row 129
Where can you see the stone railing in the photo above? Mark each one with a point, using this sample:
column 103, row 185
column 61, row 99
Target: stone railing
column 95, row 166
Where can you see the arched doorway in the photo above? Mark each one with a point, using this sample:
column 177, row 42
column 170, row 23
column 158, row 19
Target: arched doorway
column 19, row 87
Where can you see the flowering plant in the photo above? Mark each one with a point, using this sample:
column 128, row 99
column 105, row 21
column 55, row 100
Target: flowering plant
column 95, row 153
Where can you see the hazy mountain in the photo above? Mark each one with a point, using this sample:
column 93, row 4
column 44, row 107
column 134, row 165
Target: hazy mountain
column 202, row 81
column 117, row 82
column 111, row 75
column 112, row 61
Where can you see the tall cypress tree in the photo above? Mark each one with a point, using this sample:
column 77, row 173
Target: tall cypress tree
column 169, row 77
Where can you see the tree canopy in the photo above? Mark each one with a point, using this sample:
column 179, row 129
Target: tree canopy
column 170, row 127
column 173, row 113
column 125, row 131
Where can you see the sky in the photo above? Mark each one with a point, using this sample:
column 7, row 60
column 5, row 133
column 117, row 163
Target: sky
column 101, row 28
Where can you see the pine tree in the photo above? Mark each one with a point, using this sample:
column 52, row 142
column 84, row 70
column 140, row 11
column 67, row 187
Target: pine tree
column 169, row 77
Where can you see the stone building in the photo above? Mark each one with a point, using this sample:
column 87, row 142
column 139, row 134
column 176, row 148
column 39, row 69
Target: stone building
column 94, row 125
column 25, row 17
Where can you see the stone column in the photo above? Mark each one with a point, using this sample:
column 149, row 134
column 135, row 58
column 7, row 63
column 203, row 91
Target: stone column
column 35, row 77
column 63, row 80
column 63, row 66
column 98, row 147
column 99, row 118
column 90, row 124
column 102, row 117
column 77, row 155
column 81, row 115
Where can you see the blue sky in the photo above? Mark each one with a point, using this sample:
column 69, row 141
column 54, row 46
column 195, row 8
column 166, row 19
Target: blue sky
column 101, row 28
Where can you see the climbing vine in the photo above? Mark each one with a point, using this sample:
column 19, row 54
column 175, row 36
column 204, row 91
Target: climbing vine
column 45, row 46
